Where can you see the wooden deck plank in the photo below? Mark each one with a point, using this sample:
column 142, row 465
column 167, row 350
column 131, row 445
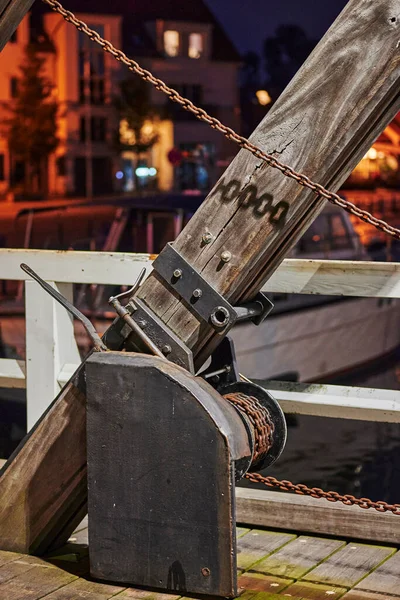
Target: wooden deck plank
column 84, row 589
column 255, row 545
column 386, row 578
column 13, row 569
column 258, row 582
column 35, row 583
column 349, row 565
column 314, row 591
column 264, row 508
column 6, row 557
column 360, row 595
column 298, row 557
column 134, row 594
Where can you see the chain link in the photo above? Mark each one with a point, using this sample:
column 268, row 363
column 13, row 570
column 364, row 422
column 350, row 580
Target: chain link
column 229, row 133
column 304, row 490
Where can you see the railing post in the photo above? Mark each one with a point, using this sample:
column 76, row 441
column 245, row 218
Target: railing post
column 50, row 344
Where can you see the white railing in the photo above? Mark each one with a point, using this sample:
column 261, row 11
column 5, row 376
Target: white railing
column 52, row 353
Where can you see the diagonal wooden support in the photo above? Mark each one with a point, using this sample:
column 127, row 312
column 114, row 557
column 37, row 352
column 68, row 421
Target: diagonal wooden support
column 11, row 14
column 324, row 122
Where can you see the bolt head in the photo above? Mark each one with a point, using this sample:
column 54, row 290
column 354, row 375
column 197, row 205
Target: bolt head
column 177, row 273
column 206, row 572
column 226, row 256
column 197, row 293
column 207, row 237
column 166, row 349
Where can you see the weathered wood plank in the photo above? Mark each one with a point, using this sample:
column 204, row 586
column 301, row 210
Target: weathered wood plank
column 6, row 557
column 81, row 589
column 262, row 508
column 13, row 569
column 312, row 591
column 44, row 483
column 253, row 546
column 386, row 578
column 35, row 583
column 346, row 567
column 322, row 125
column 298, row 557
column 134, row 594
column 258, row 582
column 360, row 595
column 12, row 13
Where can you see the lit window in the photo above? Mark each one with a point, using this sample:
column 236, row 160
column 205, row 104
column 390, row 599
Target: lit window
column 196, row 46
column 171, row 42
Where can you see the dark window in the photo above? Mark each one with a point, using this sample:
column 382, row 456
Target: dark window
column 193, row 92
column 61, row 166
column 14, row 37
column 98, row 129
column 82, row 129
column 2, row 175
column 13, row 87
column 91, row 69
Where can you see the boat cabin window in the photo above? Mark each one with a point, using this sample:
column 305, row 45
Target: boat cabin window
column 328, row 232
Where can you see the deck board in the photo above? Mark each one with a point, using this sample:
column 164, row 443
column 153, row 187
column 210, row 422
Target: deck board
column 298, row 557
column 318, row 568
column 349, row 565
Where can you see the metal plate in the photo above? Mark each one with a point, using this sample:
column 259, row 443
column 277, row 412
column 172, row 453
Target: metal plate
column 209, row 303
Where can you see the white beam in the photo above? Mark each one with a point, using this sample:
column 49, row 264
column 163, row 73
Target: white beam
column 50, row 343
column 344, row 402
column 12, row 373
column 327, row 277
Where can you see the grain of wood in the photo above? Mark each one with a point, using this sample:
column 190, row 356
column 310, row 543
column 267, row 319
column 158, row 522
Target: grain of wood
column 257, row 582
column 84, row 589
column 349, row 565
column 323, row 123
column 263, row 508
column 13, row 569
column 386, row 578
column 35, row 583
column 134, row 594
column 43, row 485
column 12, row 14
column 360, row 595
column 6, row 557
column 253, row 546
column 298, row 557
column 311, row 591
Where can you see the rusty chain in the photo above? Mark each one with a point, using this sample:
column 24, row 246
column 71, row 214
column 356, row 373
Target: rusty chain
column 263, row 436
column 259, row 417
column 229, row 133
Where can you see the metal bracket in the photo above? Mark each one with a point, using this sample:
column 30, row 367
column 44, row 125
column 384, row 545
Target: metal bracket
column 160, row 334
column 206, row 302
column 191, row 286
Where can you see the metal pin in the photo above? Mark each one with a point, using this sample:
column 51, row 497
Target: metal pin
column 207, row 237
column 226, row 256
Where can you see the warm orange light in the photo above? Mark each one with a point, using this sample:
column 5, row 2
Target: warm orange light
column 263, row 97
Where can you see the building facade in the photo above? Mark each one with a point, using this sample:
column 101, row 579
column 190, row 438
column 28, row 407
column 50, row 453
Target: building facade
column 189, row 51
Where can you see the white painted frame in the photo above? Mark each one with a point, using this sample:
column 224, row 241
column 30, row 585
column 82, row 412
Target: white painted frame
column 52, row 353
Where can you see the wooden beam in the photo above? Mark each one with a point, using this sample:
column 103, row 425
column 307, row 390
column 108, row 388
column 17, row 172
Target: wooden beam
column 323, row 123
column 11, row 14
column 262, row 508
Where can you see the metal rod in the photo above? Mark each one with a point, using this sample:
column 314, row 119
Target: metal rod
column 94, row 336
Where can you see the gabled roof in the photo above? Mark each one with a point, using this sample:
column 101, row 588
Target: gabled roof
column 136, row 13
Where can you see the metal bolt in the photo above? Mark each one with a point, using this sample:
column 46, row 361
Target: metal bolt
column 206, row 572
column 197, row 293
column 166, row 349
column 226, row 256
column 142, row 323
column 207, row 237
column 177, row 273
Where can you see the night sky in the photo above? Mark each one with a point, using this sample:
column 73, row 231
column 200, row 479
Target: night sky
column 249, row 22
